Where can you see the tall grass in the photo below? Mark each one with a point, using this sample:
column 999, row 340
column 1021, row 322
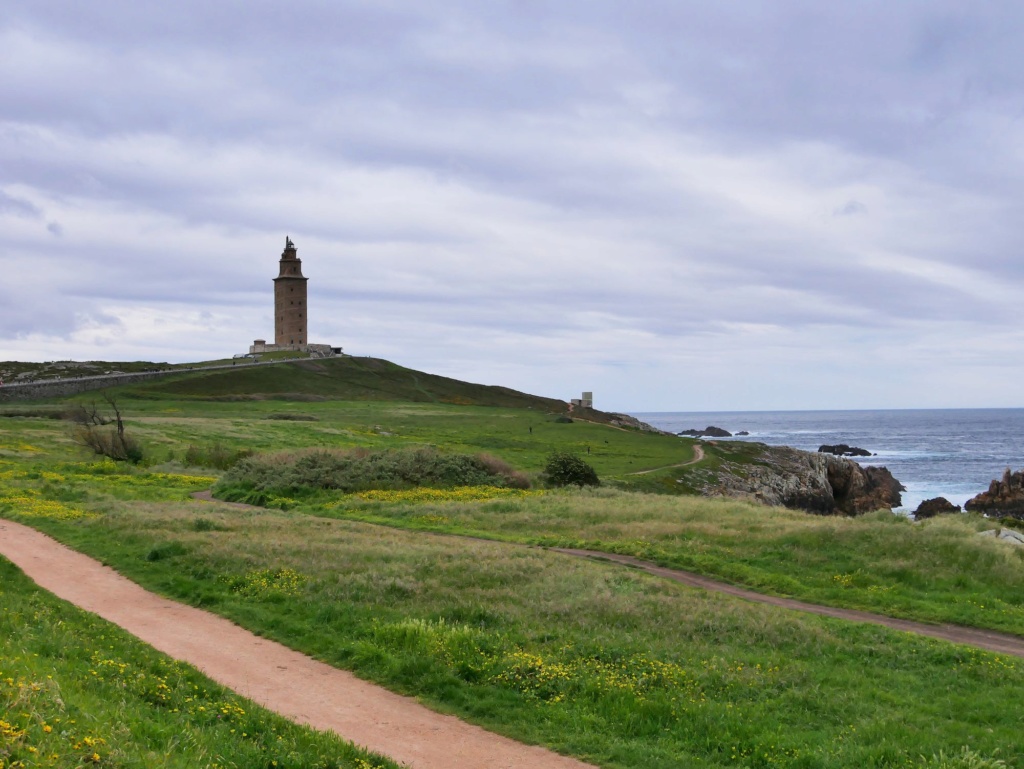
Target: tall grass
column 616, row 667
column 938, row 570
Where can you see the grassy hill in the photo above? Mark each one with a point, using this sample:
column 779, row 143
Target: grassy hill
column 347, row 378
column 620, row 668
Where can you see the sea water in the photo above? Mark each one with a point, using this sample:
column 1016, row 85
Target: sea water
column 951, row 453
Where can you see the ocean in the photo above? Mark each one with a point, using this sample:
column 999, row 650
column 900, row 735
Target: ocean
column 951, row 453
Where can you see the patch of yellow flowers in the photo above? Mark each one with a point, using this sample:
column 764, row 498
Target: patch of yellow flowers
column 260, row 582
column 558, row 676
column 20, row 699
column 28, row 505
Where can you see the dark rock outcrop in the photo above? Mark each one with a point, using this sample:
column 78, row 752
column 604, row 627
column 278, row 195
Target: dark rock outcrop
column 708, row 432
column 937, row 506
column 629, row 422
column 741, row 432
column 818, row 483
column 1004, row 497
column 842, row 450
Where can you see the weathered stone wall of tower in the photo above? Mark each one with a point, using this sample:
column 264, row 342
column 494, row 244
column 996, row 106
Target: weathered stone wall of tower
column 290, row 322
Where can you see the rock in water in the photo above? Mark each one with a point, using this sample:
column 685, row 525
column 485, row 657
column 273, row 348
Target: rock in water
column 932, row 507
column 842, row 450
column 708, row 432
column 1004, row 497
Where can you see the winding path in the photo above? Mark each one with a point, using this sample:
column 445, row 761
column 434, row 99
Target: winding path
column 698, row 456
column 278, row 678
column 990, row 640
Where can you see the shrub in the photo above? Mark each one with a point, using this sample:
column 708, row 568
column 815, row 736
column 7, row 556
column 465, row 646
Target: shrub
column 119, row 446
column 114, row 443
column 294, row 474
column 564, row 468
column 515, row 479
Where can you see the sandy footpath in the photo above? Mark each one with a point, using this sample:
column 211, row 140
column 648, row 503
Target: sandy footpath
column 276, row 677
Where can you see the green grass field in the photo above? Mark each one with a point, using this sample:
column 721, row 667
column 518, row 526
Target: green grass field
column 76, row 691
column 596, row 660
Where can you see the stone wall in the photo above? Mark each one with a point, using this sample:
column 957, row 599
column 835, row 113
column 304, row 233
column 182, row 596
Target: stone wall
column 60, row 388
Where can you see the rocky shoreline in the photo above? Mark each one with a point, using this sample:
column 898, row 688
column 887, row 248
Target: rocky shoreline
column 823, row 484
column 1004, row 498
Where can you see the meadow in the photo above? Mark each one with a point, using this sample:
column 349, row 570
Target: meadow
column 617, row 667
column 76, row 691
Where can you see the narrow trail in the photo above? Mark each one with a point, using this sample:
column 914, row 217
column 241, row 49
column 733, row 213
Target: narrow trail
column 990, row 640
column 698, row 456
column 278, row 678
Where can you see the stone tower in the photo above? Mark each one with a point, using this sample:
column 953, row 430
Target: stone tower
column 290, row 300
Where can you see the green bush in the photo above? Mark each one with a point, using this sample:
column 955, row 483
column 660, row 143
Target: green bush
column 564, row 468
column 295, row 474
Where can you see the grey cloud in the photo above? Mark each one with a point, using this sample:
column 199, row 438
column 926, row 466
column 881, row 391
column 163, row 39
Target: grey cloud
column 850, row 208
column 673, row 172
column 18, row 206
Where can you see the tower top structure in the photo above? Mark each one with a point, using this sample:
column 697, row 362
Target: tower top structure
column 291, row 265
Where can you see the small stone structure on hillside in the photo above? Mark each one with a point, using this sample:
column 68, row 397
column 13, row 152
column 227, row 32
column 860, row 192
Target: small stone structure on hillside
column 586, row 402
column 291, row 326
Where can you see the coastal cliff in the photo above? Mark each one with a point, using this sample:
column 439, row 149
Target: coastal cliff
column 823, row 484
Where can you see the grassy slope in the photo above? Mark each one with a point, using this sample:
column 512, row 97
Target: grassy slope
column 614, row 666
column 522, row 436
column 345, row 378
column 937, row 571
column 498, row 634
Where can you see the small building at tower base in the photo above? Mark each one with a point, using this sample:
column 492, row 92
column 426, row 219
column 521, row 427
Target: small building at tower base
column 260, row 346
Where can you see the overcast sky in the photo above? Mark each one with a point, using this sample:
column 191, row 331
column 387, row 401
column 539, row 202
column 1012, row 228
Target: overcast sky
column 678, row 205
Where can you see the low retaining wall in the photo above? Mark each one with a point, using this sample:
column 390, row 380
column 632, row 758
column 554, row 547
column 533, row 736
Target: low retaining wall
column 60, row 388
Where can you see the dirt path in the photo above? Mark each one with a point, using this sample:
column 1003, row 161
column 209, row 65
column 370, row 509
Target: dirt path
column 276, row 677
column 698, row 455
column 989, row 640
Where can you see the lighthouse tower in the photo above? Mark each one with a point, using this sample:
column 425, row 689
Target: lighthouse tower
column 290, row 326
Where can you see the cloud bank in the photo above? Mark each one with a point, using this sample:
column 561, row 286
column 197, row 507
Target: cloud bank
column 677, row 205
